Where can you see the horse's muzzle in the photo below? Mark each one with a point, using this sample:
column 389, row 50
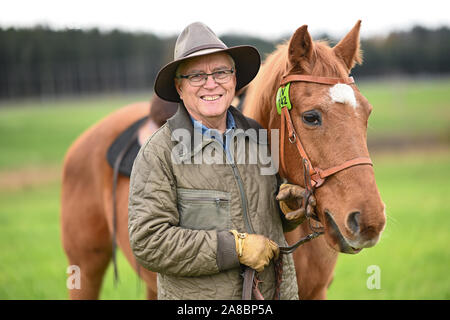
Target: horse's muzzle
column 344, row 244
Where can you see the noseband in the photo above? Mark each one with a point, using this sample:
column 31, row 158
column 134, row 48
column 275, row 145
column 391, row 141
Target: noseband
column 314, row 176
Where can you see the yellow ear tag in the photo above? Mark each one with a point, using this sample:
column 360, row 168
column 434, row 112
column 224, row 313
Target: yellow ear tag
column 283, row 98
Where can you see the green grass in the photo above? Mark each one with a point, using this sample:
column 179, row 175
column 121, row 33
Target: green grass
column 32, row 261
column 37, row 133
column 413, row 109
column 413, row 253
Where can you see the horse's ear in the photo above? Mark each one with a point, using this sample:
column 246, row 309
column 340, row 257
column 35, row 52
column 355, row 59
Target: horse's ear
column 300, row 47
column 348, row 48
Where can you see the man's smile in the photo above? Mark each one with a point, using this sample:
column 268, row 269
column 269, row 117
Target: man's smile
column 211, row 97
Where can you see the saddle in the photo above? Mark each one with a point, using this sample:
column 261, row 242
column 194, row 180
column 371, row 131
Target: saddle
column 125, row 148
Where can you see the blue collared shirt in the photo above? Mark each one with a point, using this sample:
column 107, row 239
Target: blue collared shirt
column 215, row 134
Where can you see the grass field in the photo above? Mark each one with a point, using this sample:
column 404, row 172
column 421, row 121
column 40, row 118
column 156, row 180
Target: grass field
column 411, row 109
column 39, row 133
column 413, row 254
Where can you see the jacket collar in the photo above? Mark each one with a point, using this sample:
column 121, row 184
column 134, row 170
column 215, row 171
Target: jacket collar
column 182, row 120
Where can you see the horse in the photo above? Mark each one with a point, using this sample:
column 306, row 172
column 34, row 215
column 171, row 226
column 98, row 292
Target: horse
column 331, row 122
column 349, row 206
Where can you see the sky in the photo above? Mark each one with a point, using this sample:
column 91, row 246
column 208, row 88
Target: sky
column 263, row 18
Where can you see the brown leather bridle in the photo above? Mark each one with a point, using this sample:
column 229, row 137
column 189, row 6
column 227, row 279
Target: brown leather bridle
column 317, row 175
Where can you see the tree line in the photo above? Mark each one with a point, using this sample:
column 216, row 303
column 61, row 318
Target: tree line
column 43, row 62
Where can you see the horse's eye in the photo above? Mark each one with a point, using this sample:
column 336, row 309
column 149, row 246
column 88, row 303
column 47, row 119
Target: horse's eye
column 312, row 118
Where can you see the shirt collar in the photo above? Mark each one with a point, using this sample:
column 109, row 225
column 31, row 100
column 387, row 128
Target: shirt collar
column 230, row 124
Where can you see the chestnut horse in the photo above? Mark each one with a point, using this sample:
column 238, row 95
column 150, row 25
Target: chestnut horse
column 349, row 203
column 331, row 122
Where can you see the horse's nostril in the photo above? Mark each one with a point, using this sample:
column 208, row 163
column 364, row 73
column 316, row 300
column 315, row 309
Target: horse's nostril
column 353, row 221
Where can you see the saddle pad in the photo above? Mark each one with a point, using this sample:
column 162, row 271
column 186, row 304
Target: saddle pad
column 120, row 143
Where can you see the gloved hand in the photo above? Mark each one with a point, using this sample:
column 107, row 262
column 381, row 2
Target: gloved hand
column 290, row 198
column 255, row 250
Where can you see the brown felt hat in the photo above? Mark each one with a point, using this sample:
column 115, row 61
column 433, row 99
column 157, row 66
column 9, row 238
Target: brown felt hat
column 197, row 39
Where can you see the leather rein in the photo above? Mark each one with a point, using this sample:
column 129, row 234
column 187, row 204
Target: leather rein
column 314, row 177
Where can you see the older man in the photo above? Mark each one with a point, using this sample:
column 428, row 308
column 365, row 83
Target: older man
column 196, row 223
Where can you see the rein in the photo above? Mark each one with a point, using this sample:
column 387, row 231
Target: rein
column 314, row 177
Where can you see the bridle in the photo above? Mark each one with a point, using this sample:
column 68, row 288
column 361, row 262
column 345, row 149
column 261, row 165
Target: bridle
column 314, row 176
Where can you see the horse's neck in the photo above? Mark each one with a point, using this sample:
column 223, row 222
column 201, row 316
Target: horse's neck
column 258, row 106
column 261, row 104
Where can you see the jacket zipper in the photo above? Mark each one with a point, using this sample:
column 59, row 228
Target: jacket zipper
column 248, row 224
column 237, row 176
column 206, row 199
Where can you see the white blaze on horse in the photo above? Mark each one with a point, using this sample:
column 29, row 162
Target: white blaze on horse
column 329, row 119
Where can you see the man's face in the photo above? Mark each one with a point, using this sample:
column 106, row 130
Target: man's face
column 209, row 102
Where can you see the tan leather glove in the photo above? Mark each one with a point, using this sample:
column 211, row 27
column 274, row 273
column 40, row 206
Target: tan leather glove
column 290, row 198
column 255, row 250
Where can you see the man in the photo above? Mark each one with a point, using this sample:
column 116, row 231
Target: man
column 196, row 223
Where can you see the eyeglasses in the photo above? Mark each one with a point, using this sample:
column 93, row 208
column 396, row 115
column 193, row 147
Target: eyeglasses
column 199, row 79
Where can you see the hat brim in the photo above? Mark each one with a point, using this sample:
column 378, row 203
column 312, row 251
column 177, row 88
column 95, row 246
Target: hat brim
column 246, row 58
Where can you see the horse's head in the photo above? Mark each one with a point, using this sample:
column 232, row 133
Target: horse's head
column 331, row 122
